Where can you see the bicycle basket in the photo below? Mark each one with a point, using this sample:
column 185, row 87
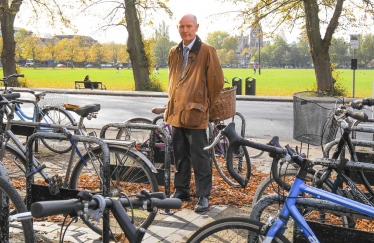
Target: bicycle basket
column 54, row 99
column 313, row 118
column 225, row 106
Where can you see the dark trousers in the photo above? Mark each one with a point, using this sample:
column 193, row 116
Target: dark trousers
column 188, row 147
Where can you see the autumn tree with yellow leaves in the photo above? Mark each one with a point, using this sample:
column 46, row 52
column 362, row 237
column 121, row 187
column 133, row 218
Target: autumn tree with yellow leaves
column 320, row 19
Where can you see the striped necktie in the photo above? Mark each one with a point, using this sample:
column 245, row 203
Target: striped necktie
column 185, row 59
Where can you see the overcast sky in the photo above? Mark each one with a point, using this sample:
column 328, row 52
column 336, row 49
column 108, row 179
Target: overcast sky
column 203, row 9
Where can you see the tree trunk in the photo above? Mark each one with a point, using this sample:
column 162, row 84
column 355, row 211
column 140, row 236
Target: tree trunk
column 319, row 47
column 7, row 31
column 7, row 16
column 135, row 47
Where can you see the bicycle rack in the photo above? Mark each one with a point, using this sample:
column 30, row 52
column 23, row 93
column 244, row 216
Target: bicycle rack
column 42, row 193
column 162, row 178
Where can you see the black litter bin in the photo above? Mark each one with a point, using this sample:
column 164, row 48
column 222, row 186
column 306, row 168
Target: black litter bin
column 250, row 86
column 237, row 81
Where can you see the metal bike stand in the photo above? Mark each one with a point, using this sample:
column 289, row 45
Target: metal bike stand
column 164, row 134
column 64, row 193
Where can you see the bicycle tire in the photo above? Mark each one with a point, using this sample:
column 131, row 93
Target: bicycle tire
column 15, row 163
column 142, row 138
column 18, row 231
column 233, row 229
column 83, row 178
column 57, row 115
column 268, row 184
column 144, row 133
column 269, row 206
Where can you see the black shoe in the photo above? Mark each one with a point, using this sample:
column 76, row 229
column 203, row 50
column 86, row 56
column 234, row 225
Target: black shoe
column 182, row 196
column 202, row 205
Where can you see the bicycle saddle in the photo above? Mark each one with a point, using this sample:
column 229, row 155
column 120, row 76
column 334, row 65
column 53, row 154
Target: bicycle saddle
column 83, row 110
column 158, row 110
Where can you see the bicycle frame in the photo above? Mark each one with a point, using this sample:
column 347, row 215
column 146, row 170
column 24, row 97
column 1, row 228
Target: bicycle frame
column 9, row 135
column 290, row 210
column 346, row 140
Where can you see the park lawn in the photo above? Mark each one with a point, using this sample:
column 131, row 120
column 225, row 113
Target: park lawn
column 271, row 82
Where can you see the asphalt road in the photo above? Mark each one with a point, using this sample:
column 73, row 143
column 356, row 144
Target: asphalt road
column 263, row 119
column 265, row 116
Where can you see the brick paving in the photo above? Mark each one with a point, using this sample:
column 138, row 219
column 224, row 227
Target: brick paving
column 176, row 227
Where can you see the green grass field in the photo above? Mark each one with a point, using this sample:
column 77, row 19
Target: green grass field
column 271, row 82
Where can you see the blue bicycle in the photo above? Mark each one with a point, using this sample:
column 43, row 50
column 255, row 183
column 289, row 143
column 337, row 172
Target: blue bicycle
column 249, row 230
column 52, row 114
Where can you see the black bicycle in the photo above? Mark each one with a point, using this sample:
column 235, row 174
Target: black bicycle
column 98, row 207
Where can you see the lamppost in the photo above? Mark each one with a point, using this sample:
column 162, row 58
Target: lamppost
column 259, row 51
column 355, row 42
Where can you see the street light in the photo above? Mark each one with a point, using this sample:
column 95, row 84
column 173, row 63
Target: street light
column 259, row 51
column 355, row 42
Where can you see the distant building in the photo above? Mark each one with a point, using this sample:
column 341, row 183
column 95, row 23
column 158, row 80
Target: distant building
column 256, row 40
column 87, row 40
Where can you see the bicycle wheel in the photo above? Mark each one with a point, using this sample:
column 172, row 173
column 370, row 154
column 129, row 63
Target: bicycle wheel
column 15, row 231
column 142, row 138
column 15, row 164
column 139, row 135
column 269, row 186
column 269, row 206
column 56, row 115
column 232, row 230
column 128, row 174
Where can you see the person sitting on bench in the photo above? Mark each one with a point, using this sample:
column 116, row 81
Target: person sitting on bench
column 88, row 83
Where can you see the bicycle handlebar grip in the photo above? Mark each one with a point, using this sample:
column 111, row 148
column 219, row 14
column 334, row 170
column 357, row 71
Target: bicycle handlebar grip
column 360, row 116
column 368, row 102
column 48, row 208
column 266, row 148
column 21, row 75
column 11, row 96
column 169, row 203
column 357, row 104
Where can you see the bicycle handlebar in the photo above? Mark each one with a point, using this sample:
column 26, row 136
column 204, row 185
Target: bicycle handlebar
column 235, row 141
column 358, row 104
column 72, row 206
column 10, row 96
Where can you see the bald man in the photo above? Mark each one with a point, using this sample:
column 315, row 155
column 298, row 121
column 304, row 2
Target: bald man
column 195, row 81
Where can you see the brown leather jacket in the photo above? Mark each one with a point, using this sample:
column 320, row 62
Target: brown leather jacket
column 191, row 97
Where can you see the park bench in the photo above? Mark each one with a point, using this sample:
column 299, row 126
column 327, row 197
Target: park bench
column 89, row 85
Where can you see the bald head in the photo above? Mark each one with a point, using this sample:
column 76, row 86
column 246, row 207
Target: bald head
column 188, row 27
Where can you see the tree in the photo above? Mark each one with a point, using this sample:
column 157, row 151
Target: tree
column 222, row 56
column 279, row 51
column 49, row 49
column 339, row 51
column 8, row 11
column 131, row 14
column 365, row 53
column 232, row 57
column 20, row 38
column 230, row 43
column 311, row 14
column 96, row 53
column 217, row 39
column 163, row 44
column 161, row 50
column 31, row 48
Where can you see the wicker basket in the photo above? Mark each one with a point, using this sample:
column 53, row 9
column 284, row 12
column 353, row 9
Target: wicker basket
column 225, row 107
column 313, row 118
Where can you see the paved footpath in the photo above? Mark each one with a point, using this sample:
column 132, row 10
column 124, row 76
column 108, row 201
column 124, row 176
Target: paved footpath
column 171, row 228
